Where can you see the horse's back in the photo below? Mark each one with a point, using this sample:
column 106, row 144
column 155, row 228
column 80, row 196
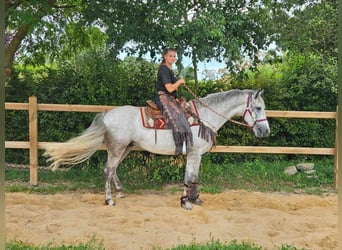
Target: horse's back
column 122, row 116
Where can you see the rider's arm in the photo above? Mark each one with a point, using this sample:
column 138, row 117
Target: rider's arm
column 174, row 87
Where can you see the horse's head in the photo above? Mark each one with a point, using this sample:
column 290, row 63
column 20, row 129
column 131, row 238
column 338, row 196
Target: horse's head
column 255, row 116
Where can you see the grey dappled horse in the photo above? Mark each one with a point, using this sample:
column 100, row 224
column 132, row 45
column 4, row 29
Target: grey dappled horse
column 121, row 128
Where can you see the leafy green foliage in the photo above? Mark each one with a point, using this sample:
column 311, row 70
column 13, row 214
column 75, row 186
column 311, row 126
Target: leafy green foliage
column 313, row 29
column 92, row 244
column 217, row 244
column 45, row 31
column 310, row 83
column 201, row 30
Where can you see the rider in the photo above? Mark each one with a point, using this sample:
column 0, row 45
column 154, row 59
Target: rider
column 166, row 99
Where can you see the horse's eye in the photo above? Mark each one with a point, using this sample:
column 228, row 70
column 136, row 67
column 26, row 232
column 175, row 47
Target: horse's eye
column 258, row 108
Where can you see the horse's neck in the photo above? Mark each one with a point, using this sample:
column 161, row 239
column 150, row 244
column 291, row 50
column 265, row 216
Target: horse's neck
column 218, row 112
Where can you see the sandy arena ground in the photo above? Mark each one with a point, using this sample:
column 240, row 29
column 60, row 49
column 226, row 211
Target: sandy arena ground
column 156, row 219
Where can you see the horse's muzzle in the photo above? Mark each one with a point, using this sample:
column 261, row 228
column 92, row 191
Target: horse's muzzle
column 262, row 130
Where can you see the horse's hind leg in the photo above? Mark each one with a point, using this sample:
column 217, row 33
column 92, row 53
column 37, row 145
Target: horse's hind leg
column 110, row 174
column 117, row 182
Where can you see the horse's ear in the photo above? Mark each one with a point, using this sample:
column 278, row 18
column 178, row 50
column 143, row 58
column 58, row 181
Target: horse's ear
column 259, row 92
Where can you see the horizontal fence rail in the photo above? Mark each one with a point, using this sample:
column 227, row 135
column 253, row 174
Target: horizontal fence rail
column 33, row 145
column 216, row 149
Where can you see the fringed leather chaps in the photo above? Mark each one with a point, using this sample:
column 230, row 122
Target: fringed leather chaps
column 207, row 133
column 175, row 118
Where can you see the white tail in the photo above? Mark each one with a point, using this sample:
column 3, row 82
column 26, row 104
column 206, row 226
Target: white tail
column 78, row 149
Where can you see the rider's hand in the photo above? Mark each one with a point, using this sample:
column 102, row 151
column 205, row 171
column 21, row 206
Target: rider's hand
column 181, row 81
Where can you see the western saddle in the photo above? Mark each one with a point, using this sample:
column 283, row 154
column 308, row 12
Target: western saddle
column 153, row 111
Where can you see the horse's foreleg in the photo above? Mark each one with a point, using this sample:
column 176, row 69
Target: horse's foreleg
column 190, row 192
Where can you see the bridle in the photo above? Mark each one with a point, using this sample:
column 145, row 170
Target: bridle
column 248, row 110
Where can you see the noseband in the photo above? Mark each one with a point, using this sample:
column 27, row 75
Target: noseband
column 249, row 110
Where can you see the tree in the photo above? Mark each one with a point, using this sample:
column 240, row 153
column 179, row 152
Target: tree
column 223, row 30
column 46, row 30
column 203, row 30
column 309, row 29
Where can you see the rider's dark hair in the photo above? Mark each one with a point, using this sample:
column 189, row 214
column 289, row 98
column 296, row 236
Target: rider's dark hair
column 167, row 50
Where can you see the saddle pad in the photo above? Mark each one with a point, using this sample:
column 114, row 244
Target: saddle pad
column 149, row 122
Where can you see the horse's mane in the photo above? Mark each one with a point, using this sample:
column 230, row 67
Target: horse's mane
column 219, row 97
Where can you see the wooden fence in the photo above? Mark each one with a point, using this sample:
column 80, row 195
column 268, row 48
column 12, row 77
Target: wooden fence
column 33, row 145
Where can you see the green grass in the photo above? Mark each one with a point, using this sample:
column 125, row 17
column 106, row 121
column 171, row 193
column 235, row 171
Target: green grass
column 253, row 175
column 73, row 179
column 233, row 245
column 92, row 244
column 95, row 244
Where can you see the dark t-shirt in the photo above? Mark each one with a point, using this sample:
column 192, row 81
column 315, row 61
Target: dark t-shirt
column 165, row 75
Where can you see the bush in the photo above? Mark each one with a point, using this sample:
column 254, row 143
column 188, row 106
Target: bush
column 298, row 83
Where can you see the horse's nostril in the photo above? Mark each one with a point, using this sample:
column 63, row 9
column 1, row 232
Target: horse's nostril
column 263, row 132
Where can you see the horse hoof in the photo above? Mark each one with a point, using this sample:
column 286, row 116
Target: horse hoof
column 120, row 195
column 187, row 205
column 109, row 202
column 198, row 201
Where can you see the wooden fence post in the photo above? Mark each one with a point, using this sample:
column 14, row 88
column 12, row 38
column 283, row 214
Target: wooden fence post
column 336, row 152
column 33, row 130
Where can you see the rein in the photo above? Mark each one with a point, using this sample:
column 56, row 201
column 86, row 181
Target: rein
column 219, row 114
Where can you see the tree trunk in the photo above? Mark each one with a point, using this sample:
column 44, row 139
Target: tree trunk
column 22, row 31
column 13, row 47
column 194, row 63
